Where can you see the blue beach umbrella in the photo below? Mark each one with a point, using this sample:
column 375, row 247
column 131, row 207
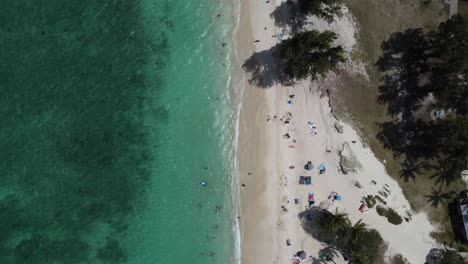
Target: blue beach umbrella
column 322, row 166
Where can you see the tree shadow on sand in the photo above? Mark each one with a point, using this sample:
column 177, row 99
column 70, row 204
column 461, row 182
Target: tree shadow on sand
column 410, row 168
column 314, row 222
column 357, row 245
column 405, row 67
column 290, row 16
column 266, row 70
column 408, row 141
column 437, row 197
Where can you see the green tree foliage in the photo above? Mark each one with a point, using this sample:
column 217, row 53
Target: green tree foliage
column 325, row 9
column 362, row 245
column 365, row 249
column 452, row 257
column 309, row 54
column 299, row 10
column 338, row 222
column 358, row 230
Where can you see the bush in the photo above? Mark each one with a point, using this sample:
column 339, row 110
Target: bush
column 370, row 201
column 398, row 259
column 380, row 200
column 392, row 216
column 452, row 257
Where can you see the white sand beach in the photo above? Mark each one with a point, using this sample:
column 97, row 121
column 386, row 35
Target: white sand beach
column 266, row 156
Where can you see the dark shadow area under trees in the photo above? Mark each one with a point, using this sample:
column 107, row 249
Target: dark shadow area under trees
column 416, row 68
column 266, row 70
column 292, row 14
column 357, row 243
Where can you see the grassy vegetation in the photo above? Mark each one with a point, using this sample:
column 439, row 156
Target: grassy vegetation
column 376, row 21
column 370, row 201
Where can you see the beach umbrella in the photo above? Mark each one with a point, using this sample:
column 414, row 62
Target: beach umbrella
column 322, row 166
column 338, row 198
column 309, row 166
column 301, row 254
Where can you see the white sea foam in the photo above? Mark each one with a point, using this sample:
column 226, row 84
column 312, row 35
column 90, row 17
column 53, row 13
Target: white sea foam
column 235, row 177
column 237, row 90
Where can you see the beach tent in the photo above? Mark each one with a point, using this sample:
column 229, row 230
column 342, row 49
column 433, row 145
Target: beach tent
column 322, row 166
column 311, row 198
column 309, row 166
column 301, row 254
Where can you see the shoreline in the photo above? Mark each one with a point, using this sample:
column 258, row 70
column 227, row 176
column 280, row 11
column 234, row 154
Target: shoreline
column 260, row 235
column 264, row 159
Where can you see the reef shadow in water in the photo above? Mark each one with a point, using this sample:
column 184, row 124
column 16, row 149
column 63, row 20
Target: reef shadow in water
column 75, row 139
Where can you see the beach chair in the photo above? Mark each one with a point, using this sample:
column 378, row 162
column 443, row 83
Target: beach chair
column 311, row 198
column 305, row 180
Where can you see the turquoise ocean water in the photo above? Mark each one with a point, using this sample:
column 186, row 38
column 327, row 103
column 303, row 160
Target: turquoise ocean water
column 113, row 113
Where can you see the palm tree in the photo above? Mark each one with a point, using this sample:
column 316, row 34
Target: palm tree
column 358, row 230
column 437, row 197
column 338, row 222
column 410, row 169
column 448, row 170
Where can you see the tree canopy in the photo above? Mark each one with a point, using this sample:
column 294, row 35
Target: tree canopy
column 325, row 9
column 309, row 54
column 360, row 244
column 452, row 257
column 299, row 10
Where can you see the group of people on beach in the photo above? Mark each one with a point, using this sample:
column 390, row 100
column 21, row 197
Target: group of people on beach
column 288, row 136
